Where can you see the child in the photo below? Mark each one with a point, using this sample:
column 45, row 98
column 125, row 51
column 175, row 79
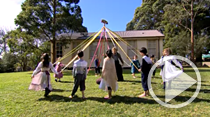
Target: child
column 97, row 66
column 109, row 75
column 133, row 68
column 79, row 73
column 152, row 58
column 168, row 70
column 58, row 68
column 145, row 68
column 41, row 76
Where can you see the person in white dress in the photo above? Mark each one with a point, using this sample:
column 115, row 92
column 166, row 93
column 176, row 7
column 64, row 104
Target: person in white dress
column 168, row 64
column 41, row 76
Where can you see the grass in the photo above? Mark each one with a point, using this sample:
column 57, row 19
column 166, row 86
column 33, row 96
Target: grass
column 17, row 101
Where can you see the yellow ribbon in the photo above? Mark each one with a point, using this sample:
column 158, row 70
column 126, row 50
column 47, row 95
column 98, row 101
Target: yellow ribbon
column 116, row 35
column 92, row 39
column 120, row 48
column 75, row 49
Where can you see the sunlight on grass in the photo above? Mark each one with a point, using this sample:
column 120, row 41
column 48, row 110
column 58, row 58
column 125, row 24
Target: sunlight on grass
column 17, row 100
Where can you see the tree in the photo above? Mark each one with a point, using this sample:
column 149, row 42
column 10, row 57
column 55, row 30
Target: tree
column 46, row 19
column 8, row 62
column 184, row 12
column 26, row 48
column 35, row 57
column 174, row 19
column 148, row 16
column 3, row 40
column 22, row 45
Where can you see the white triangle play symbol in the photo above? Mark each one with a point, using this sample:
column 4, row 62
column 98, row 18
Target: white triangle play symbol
column 178, row 85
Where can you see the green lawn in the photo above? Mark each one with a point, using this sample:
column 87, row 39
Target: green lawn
column 17, row 100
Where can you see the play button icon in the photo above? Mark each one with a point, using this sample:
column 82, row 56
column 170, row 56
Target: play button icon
column 176, row 85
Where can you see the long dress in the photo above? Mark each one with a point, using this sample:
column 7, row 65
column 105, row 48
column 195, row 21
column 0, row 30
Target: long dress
column 118, row 66
column 108, row 75
column 41, row 79
column 58, row 68
column 169, row 71
column 133, row 68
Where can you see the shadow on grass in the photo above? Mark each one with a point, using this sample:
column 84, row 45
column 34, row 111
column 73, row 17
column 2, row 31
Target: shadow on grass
column 60, row 90
column 56, row 98
column 123, row 99
column 115, row 99
column 186, row 98
column 205, row 85
column 193, row 90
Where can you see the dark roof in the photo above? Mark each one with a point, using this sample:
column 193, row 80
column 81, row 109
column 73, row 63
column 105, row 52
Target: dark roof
column 122, row 34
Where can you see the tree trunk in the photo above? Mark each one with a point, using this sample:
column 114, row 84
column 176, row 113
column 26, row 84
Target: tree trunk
column 53, row 53
column 192, row 35
column 53, row 42
column 25, row 64
column 5, row 45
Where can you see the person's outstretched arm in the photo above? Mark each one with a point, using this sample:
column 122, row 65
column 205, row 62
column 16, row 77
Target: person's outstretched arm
column 52, row 68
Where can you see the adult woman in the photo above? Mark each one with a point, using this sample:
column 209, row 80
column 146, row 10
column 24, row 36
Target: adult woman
column 41, row 76
column 116, row 56
column 109, row 77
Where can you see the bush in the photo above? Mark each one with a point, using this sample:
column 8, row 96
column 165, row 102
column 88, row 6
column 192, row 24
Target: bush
column 8, row 63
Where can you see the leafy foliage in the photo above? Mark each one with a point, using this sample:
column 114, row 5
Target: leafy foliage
column 173, row 18
column 46, row 19
column 8, row 62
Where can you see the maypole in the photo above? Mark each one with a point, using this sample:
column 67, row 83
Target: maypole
column 86, row 43
column 93, row 38
column 111, row 37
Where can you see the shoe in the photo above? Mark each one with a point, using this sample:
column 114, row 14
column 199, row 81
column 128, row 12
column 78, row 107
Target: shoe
column 56, row 80
column 59, row 80
column 47, row 91
column 134, row 76
column 70, row 96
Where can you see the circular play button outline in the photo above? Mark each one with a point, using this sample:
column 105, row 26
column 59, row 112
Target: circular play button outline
column 188, row 101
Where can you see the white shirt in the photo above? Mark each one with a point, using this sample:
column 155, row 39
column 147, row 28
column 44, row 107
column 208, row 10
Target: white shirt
column 80, row 66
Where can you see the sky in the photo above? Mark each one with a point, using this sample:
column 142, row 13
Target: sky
column 117, row 12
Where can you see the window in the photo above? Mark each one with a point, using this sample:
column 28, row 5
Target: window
column 152, row 48
column 132, row 49
column 59, row 51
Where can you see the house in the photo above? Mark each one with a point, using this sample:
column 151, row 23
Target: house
column 151, row 39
